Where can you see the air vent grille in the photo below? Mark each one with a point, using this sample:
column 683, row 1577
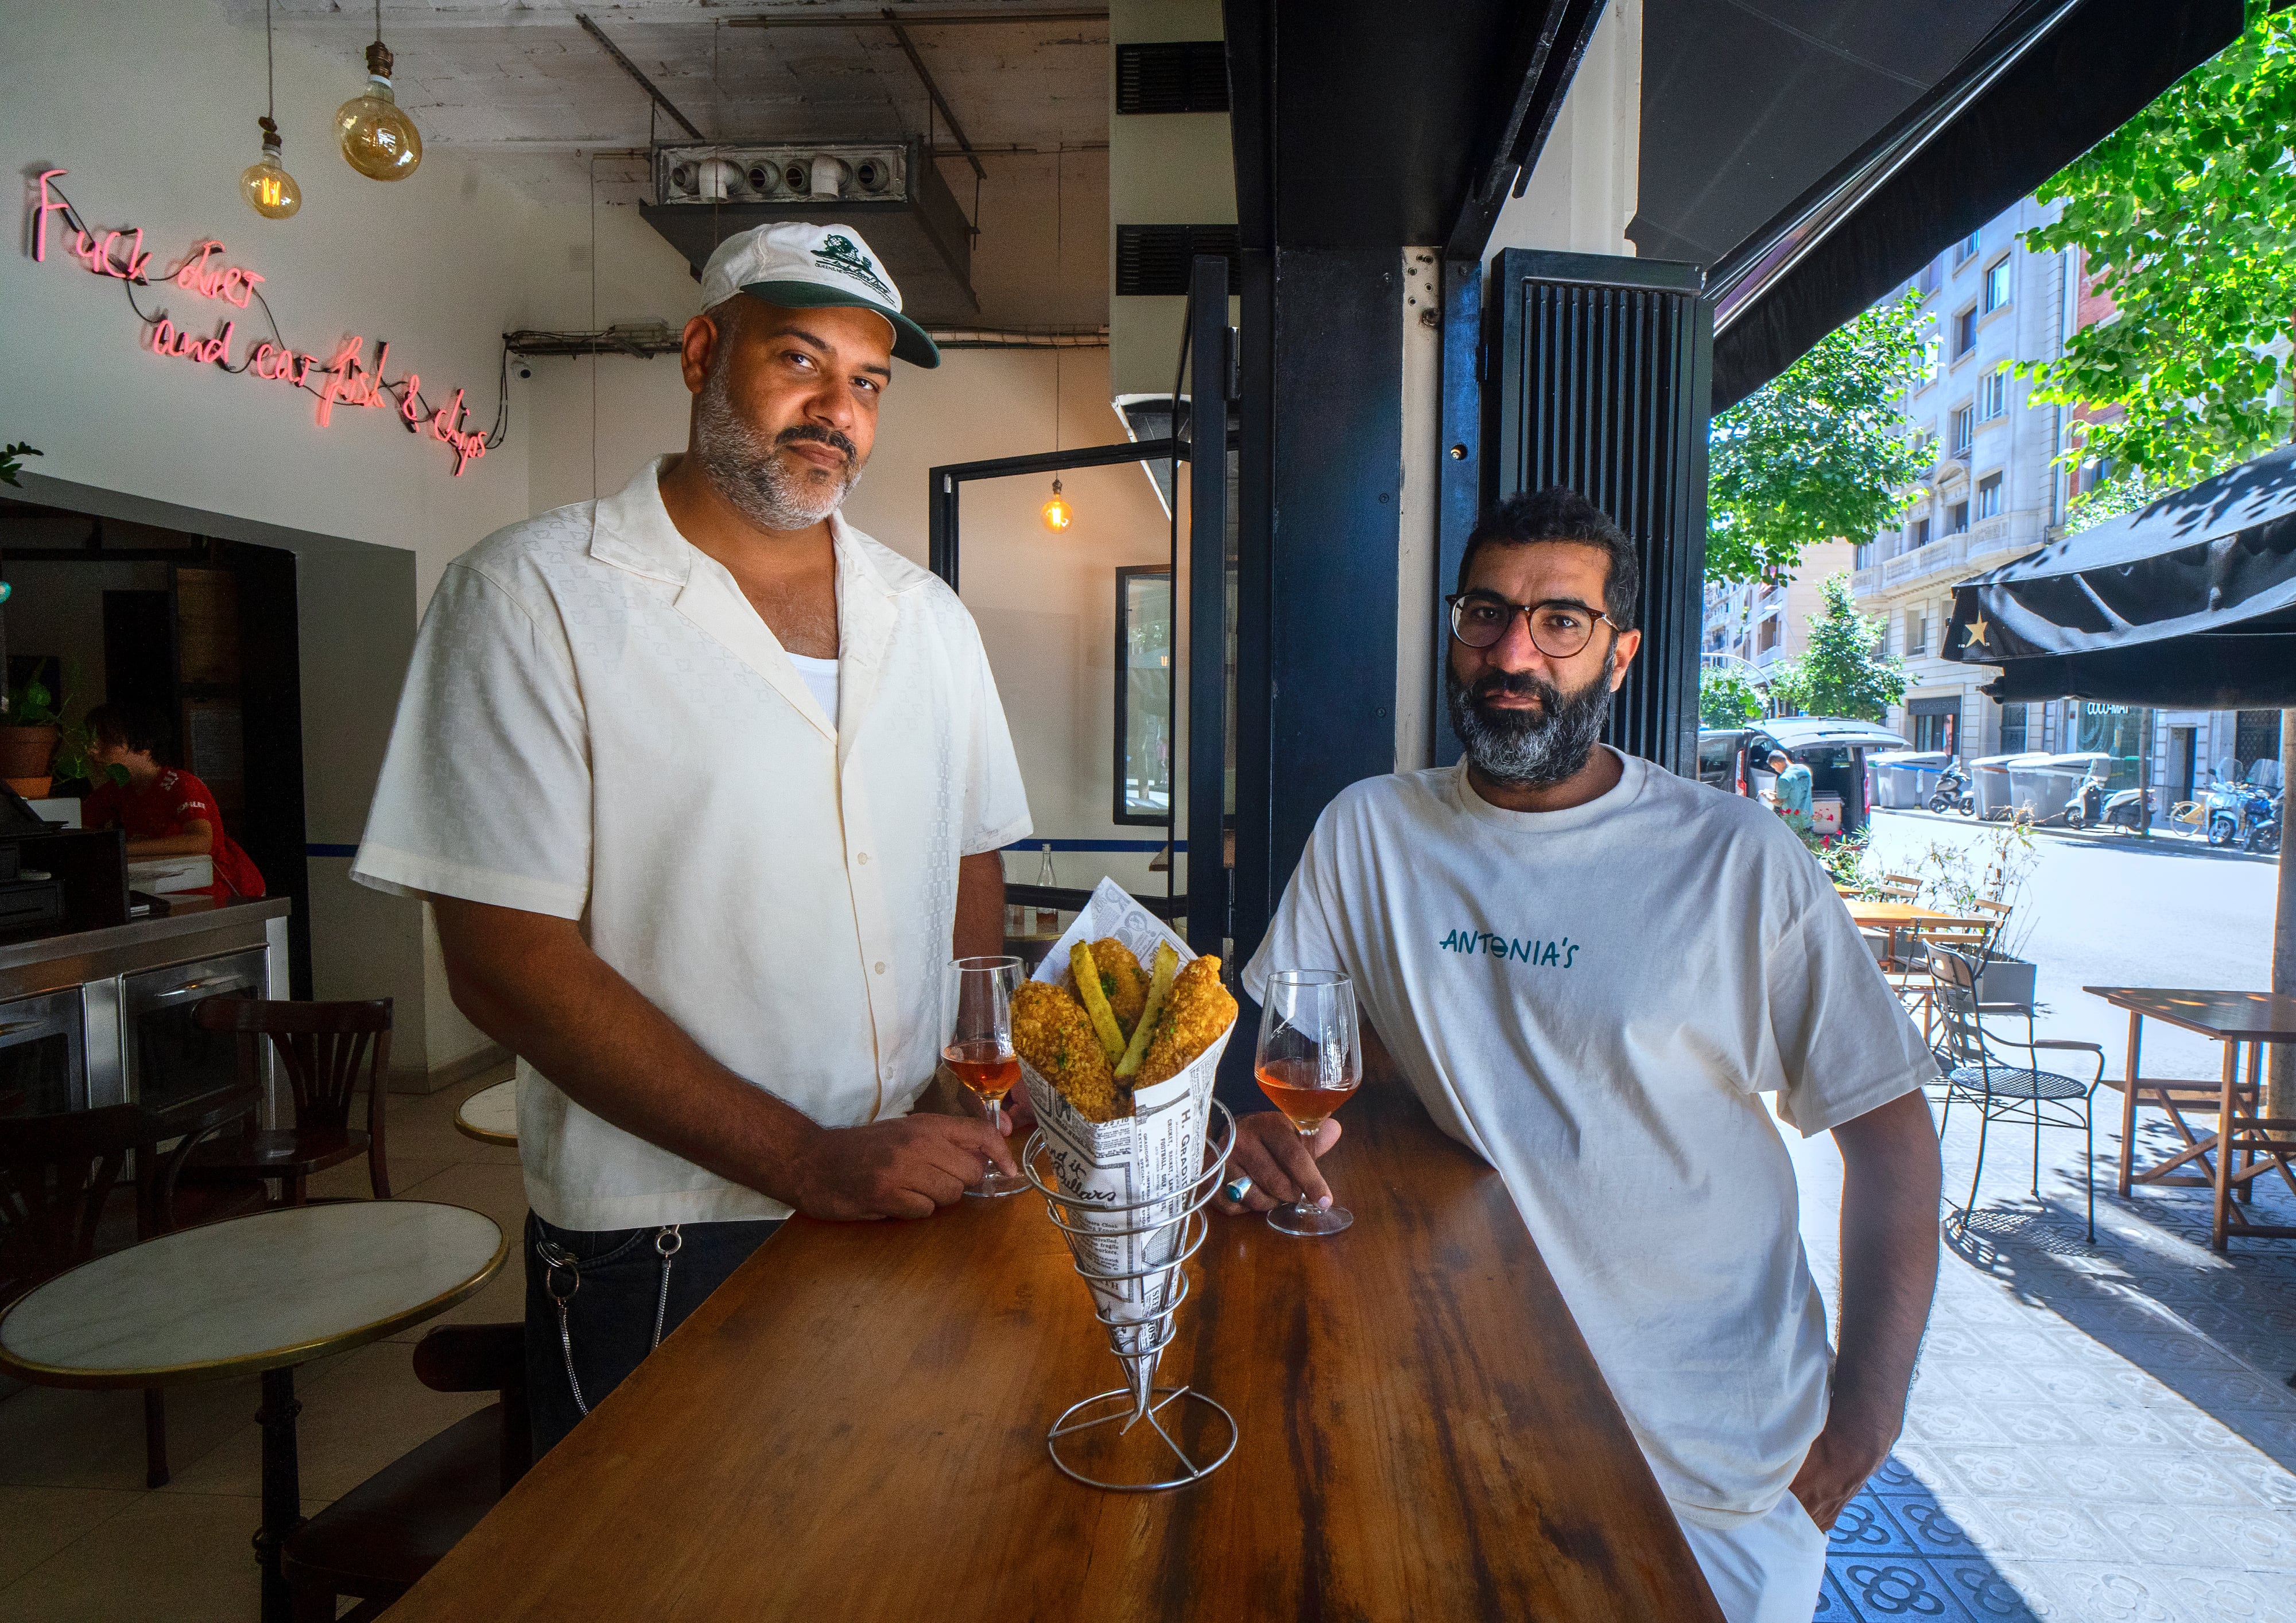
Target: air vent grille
column 1156, row 259
column 1179, row 76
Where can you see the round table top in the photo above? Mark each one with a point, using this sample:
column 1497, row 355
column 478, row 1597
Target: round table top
column 265, row 1291
column 490, row 1115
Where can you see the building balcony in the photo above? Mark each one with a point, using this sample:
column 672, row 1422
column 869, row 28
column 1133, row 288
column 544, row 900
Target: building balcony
column 1985, row 545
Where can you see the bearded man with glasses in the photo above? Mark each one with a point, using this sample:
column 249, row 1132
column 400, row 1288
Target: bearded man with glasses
column 1589, row 971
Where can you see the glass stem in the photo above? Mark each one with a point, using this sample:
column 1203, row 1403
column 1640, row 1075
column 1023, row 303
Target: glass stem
column 1307, row 1137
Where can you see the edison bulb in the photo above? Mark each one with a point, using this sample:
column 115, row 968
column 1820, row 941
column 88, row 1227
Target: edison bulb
column 269, row 189
column 378, row 140
column 1058, row 514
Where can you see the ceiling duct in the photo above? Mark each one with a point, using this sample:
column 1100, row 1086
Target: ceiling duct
column 887, row 190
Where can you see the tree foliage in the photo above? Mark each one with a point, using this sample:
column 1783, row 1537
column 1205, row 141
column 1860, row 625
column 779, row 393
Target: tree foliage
column 1844, row 672
column 1727, row 699
column 2186, row 216
column 1819, row 452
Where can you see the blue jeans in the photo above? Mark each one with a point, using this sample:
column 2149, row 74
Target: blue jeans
column 609, row 1283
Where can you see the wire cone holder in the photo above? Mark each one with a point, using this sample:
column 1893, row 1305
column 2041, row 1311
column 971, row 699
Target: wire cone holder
column 1136, row 1304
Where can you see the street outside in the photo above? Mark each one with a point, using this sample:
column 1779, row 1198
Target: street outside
column 2098, row 1430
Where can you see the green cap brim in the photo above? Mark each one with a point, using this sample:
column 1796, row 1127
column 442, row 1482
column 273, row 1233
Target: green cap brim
column 911, row 342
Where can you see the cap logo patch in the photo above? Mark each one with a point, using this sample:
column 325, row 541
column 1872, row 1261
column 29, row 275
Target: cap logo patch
column 839, row 254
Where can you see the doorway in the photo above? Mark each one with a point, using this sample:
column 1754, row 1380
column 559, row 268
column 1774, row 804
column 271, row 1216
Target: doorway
column 2183, row 746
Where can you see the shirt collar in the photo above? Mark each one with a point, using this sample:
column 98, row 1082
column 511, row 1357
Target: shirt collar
column 632, row 530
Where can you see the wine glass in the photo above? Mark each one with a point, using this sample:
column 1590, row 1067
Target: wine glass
column 979, row 1045
column 1308, row 1061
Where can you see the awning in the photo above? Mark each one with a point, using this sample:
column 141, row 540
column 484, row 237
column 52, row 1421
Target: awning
column 2190, row 604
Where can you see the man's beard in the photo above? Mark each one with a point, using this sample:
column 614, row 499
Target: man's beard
column 771, row 490
column 1527, row 748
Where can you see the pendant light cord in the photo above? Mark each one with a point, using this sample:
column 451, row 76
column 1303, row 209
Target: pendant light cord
column 1060, row 174
column 378, row 22
column 270, row 79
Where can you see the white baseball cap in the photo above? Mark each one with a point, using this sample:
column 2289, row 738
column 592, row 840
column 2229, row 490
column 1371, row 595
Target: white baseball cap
column 801, row 267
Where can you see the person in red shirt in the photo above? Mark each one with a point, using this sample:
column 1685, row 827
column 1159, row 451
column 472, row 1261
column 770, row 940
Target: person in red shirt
column 164, row 810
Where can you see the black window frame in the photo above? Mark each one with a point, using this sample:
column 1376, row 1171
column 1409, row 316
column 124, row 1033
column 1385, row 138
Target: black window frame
column 1125, row 574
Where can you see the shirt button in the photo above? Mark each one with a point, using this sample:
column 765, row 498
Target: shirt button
column 880, row 966
column 863, row 859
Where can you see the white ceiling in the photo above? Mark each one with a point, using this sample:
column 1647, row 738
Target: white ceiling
column 521, row 81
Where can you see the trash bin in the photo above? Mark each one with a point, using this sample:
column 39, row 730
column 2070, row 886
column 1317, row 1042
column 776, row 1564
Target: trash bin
column 1995, row 795
column 2047, row 783
column 1915, row 774
column 1880, row 789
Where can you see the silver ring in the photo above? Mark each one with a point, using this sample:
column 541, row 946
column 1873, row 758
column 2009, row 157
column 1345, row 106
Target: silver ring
column 1237, row 1187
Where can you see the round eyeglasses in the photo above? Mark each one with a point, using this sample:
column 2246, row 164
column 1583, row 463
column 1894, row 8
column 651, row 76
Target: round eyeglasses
column 1559, row 628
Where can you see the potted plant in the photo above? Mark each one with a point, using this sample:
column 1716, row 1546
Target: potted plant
column 1994, row 868
column 29, row 742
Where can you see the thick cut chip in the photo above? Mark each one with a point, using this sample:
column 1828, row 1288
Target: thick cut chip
column 1198, row 1011
column 1122, row 982
column 1052, row 1031
column 1084, row 977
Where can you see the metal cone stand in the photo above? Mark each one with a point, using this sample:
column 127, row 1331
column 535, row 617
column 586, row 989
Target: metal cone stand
column 1168, row 1229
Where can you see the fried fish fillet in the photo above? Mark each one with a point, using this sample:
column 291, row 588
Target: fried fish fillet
column 1198, row 1011
column 1052, row 1031
column 1122, row 979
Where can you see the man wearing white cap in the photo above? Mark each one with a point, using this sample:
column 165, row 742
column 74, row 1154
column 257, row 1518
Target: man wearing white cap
column 707, row 786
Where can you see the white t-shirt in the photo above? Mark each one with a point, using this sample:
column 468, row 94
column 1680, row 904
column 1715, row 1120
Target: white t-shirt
column 597, row 725
column 820, row 679
column 1592, row 1001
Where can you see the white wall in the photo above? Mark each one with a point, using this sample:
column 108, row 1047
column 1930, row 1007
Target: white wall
column 1583, row 189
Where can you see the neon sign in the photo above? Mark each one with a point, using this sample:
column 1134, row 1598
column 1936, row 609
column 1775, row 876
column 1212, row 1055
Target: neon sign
column 345, row 378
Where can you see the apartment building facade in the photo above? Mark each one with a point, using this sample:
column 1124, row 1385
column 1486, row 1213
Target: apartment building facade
column 1765, row 624
column 1994, row 491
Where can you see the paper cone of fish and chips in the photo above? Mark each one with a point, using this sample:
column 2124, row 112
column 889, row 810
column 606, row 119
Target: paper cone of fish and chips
column 1119, row 1034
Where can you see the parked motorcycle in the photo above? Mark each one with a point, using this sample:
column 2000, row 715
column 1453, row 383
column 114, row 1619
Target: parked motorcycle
column 2235, row 809
column 1954, row 791
column 2091, row 806
column 2264, row 835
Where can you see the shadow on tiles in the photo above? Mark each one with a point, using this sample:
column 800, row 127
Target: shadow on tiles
column 1896, row 1553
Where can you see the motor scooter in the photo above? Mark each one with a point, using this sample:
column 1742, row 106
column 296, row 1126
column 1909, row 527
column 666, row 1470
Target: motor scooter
column 2264, row 835
column 2091, row 806
column 2234, row 808
column 1954, row 791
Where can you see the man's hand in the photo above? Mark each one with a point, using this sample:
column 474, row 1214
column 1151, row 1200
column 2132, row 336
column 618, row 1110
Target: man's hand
column 904, row 1168
column 1277, row 1159
column 1832, row 1471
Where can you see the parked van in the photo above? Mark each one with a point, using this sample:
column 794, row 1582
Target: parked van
column 1736, row 761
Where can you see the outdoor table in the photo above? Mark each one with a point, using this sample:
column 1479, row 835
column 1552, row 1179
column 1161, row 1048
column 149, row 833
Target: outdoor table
column 254, row 1294
column 2245, row 1144
column 854, row 1426
column 490, row 1115
column 1888, row 915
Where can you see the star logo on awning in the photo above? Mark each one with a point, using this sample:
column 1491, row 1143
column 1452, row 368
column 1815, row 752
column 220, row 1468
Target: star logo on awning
column 1977, row 633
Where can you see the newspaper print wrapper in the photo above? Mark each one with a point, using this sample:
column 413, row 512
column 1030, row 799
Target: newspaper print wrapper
column 1156, row 1151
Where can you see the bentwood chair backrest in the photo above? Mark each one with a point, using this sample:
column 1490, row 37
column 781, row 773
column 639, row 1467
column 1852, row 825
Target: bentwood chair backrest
column 1899, row 887
column 326, row 1050
column 56, row 1174
column 1998, row 913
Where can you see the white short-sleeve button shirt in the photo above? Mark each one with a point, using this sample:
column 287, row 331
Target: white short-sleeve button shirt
column 597, row 725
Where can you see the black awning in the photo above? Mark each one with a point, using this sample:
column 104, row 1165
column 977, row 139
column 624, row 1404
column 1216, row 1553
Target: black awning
column 2191, row 603
column 1814, row 154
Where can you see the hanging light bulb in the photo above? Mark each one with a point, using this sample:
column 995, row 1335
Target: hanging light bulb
column 378, row 140
column 1058, row 514
column 269, row 189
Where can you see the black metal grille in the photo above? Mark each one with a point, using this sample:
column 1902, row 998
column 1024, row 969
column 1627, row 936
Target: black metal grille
column 1178, row 76
column 1603, row 387
column 1156, row 259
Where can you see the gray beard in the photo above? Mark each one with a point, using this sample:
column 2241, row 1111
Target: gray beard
column 1523, row 750
column 773, row 492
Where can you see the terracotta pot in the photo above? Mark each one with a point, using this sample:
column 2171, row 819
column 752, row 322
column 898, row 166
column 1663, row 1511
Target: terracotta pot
column 31, row 788
column 25, row 752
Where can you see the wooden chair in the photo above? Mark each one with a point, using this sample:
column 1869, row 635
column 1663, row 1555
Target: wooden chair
column 1898, row 886
column 1977, row 1071
column 1998, row 912
column 323, row 1048
column 375, row 1541
column 1913, row 980
column 57, row 1173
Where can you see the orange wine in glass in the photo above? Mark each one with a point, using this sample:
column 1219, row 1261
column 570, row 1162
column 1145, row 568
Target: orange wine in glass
column 1309, row 1062
column 978, row 1047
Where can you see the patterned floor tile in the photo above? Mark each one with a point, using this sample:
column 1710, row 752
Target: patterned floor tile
column 2222, row 1597
column 2164, row 1535
column 2096, row 1592
column 2253, row 1538
column 1866, row 1529
column 1994, row 1473
column 1881, row 1586
column 1987, row 1592
column 1934, row 1531
column 2039, row 1530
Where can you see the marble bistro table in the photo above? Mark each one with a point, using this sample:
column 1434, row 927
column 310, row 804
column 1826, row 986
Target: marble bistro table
column 252, row 1295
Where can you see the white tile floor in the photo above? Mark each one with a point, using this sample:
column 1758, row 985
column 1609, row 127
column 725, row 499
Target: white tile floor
column 81, row 1537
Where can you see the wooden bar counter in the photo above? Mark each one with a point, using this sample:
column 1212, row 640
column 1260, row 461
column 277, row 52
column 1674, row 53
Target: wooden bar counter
column 853, row 1428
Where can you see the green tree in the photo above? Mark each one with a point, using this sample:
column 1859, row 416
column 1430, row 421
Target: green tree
column 2186, row 216
column 1844, row 673
column 1820, row 451
column 1727, row 699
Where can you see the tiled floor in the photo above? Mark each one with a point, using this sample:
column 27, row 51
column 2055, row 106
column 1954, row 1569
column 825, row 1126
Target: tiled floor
column 2097, row 1433
column 80, row 1537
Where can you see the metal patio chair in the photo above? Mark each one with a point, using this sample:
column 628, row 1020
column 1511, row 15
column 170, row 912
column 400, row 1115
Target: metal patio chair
column 2001, row 1090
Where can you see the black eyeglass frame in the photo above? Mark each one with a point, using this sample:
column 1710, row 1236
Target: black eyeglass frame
column 1529, row 611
